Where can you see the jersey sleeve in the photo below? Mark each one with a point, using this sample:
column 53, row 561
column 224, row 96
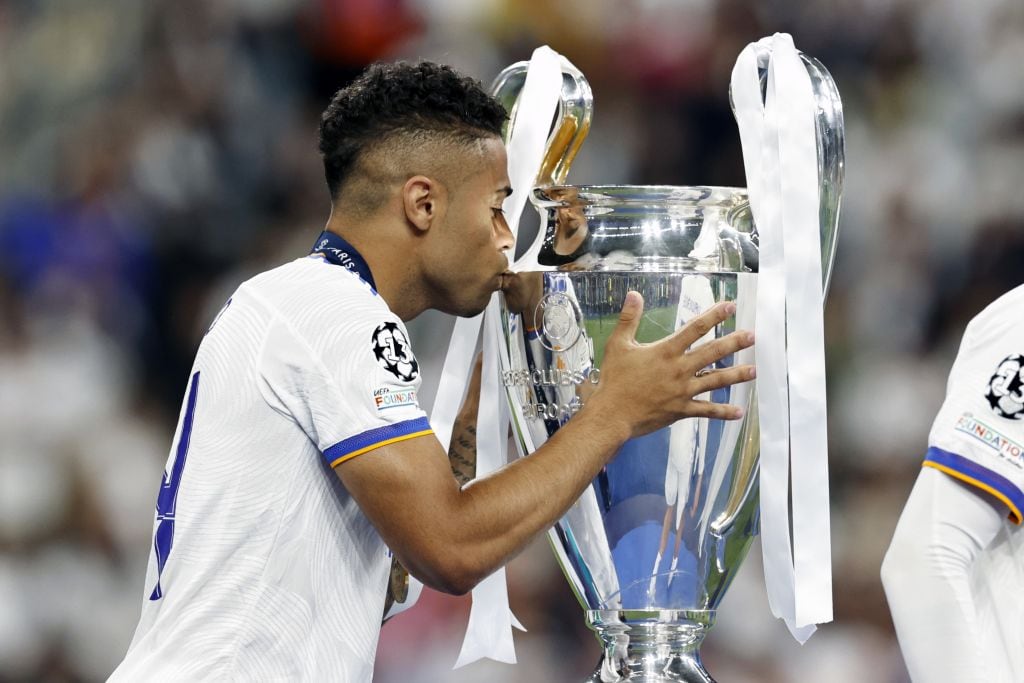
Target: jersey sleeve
column 929, row 574
column 351, row 384
column 978, row 434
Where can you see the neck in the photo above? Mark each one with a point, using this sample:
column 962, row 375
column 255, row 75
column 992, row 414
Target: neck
column 397, row 279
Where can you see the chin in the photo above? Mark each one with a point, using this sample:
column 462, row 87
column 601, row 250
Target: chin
column 468, row 309
column 471, row 311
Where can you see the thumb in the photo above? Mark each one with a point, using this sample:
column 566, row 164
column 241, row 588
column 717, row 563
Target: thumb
column 629, row 318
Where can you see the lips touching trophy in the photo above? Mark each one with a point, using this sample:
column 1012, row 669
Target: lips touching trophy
column 652, row 545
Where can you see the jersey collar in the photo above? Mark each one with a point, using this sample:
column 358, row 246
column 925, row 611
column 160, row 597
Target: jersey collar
column 338, row 251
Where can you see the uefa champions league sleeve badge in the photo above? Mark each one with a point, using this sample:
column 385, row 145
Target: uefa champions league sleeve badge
column 394, row 353
column 1005, row 390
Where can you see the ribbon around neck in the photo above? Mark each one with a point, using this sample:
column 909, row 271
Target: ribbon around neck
column 780, row 158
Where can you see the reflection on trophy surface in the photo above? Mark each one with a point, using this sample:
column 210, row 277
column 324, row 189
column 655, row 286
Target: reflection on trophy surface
column 652, row 545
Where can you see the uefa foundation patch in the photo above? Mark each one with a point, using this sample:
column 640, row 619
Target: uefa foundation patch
column 385, row 398
column 1008, row 449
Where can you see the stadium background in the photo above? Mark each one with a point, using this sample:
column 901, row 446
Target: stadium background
column 154, row 154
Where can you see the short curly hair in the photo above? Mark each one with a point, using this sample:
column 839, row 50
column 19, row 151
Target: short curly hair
column 402, row 98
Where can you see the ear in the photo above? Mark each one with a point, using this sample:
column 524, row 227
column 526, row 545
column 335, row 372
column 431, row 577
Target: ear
column 424, row 200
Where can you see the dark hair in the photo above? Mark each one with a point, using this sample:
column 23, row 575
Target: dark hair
column 396, row 98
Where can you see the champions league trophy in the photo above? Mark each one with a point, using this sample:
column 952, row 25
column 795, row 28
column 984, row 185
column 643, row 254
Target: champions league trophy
column 651, row 547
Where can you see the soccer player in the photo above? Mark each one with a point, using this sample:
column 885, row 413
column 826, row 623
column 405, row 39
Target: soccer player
column 302, row 455
column 954, row 574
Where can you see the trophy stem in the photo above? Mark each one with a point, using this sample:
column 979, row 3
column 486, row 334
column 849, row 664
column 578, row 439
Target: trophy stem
column 650, row 646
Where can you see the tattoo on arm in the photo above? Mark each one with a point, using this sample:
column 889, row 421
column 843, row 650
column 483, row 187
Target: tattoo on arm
column 462, row 452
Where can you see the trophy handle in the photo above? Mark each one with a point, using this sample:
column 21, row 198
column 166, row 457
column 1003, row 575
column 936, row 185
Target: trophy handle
column 831, row 142
column 571, row 123
column 830, row 129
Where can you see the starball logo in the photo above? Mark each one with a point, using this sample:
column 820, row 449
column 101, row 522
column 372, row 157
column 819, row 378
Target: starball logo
column 1005, row 391
column 1010, row 450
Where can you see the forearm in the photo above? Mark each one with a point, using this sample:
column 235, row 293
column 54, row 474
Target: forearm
column 926, row 575
column 452, row 536
column 497, row 515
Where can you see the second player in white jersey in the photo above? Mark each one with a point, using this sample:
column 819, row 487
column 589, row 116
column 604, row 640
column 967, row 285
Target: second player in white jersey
column 954, row 574
column 262, row 561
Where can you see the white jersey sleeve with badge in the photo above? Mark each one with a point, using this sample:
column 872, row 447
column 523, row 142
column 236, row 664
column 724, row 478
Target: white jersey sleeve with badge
column 350, row 378
column 978, row 435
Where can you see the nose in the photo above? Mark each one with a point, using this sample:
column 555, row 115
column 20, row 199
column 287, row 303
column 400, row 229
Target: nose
column 503, row 235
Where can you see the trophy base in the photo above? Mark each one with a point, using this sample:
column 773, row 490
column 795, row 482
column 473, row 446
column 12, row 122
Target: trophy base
column 650, row 646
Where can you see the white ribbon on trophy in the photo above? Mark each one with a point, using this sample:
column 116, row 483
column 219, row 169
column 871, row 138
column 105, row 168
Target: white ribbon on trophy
column 489, row 633
column 780, row 157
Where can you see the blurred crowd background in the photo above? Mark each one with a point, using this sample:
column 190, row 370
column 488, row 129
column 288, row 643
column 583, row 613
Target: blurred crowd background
column 154, row 154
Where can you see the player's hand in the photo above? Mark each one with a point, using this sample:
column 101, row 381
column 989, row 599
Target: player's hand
column 649, row 386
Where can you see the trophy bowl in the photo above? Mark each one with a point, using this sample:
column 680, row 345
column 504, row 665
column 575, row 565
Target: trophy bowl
column 652, row 545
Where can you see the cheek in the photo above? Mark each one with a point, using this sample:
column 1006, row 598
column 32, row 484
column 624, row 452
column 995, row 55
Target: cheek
column 483, row 234
column 475, row 228
column 488, row 224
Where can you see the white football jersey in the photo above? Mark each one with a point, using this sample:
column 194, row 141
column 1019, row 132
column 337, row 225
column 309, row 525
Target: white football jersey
column 978, row 437
column 264, row 567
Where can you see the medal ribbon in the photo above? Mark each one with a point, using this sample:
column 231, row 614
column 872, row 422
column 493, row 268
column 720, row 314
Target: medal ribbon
column 335, row 249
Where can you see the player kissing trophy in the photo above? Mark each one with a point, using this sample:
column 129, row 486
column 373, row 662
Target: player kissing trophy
column 651, row 547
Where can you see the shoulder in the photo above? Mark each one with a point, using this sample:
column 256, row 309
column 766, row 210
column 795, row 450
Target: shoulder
column 309, row 291
column 313, row 278
column 331, row 309
column 1003, row 319
column 990, row 364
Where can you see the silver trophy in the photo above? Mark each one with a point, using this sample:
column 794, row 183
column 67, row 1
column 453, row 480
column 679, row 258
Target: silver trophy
column 653, row 544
